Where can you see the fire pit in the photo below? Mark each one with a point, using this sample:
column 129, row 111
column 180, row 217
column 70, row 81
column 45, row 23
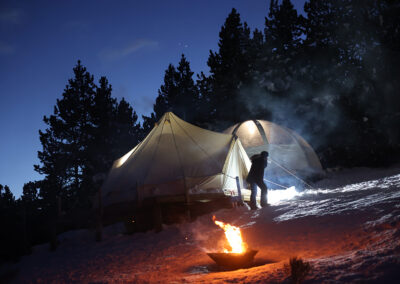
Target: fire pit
column 238, row 255
column 234, row 260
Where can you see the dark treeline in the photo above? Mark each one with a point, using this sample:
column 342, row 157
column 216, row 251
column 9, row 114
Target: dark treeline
column 331, row 75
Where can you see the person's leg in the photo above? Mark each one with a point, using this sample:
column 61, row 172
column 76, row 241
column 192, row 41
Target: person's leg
column 253, row 196
column 264, row 193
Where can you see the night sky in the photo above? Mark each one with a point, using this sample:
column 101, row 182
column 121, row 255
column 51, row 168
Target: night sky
column 129, row 42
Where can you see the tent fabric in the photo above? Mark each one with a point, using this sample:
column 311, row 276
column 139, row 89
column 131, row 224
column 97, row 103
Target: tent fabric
column 177, row 158
column 287, row 148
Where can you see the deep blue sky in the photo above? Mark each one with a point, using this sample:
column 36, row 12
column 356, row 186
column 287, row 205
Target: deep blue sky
column 129, row 42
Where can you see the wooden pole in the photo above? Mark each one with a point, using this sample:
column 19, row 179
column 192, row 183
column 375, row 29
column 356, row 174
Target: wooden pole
column 240, row 200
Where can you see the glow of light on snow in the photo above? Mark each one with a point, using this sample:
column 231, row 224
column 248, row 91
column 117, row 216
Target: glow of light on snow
column 277, row 196
column 383, row 183
column 320, row 202
column 234, row 237
column 123, row 159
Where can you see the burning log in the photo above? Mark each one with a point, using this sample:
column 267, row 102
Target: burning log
column 239, row 255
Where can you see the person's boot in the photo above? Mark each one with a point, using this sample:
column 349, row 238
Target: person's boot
column 264, row 201
column 253, row 200
column 253, row 207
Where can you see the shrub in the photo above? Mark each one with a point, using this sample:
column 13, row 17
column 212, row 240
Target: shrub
column 297, row 270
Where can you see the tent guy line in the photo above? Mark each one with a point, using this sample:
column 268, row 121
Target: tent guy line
column 289, row 172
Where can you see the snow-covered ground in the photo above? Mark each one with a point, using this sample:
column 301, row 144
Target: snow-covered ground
column 348, row 228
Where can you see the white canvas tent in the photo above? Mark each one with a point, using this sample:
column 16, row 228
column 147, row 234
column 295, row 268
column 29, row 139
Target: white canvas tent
column 289, row 152
column 177, row 159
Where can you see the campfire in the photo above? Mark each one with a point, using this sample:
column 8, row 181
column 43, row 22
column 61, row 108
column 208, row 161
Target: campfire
column 236, row 254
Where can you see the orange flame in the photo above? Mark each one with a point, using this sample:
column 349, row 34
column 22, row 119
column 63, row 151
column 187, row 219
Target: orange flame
column 233, row 236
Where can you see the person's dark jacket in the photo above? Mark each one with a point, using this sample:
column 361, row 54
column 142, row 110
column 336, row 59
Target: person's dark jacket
column 259, row 163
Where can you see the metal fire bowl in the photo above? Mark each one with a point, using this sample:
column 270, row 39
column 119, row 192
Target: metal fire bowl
column 233, row 260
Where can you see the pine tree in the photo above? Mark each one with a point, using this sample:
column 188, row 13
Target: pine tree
column 178, row 94
column 324, row 29
column 229, row 71
column 168, row 93
column 102, row 116
column 283, row 28
column 69, row 136
column 87, row 132
column 346, row 53
column 31, row 213
column 283, row 32
column 7, row 199
column 10, row 241
column 206, row 110
column 30, row 194
column 164, row 101
column 255, row 55
column 186, row 102
column 384, row 66
column 54, row 164
column 148, row 124
column 127, row 130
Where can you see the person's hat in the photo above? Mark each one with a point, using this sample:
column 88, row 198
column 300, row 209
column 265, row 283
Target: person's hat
column 264, row 153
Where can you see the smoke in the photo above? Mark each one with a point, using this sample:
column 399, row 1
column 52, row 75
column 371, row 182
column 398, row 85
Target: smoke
column 204, row 234
column 343, row 92
column 303, row 110
column 209, row 237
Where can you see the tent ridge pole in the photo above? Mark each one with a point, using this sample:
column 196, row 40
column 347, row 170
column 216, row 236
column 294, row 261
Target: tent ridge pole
column 262, row 132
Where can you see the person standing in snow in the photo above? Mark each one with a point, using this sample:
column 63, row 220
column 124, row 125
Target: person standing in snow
column 256, row 178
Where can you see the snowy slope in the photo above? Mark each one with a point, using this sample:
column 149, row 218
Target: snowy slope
column 348, row 228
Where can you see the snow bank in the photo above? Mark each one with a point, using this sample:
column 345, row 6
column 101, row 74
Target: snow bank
column 348, row 228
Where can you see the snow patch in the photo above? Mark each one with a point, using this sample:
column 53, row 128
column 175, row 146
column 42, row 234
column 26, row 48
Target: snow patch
column 348, row 229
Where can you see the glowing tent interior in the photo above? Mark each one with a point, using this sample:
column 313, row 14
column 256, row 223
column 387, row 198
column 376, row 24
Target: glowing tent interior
column 290, row 155
column 177, row 159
